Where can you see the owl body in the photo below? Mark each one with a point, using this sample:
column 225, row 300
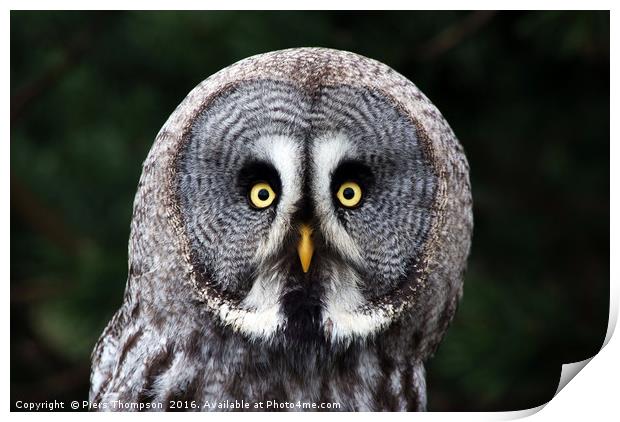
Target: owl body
column 299, row 235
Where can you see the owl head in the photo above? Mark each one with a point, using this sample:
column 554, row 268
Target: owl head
column 305, row 195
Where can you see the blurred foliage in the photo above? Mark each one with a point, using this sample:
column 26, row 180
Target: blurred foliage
column 526, row 93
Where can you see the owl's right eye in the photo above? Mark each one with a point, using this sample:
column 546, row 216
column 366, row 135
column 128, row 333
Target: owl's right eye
column 261, row 195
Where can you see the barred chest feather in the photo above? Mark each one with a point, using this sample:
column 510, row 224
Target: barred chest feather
column 210, row 369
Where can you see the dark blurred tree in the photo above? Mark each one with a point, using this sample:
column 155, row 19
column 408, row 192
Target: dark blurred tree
column 526, row 93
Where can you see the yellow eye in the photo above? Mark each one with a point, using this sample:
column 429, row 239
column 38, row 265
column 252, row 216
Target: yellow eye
column 349, row 194
column 261, row 195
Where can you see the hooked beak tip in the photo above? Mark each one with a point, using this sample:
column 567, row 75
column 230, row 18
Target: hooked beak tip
column 305, row 248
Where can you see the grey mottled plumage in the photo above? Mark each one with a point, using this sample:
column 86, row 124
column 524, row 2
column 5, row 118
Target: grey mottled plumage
column 217, row 306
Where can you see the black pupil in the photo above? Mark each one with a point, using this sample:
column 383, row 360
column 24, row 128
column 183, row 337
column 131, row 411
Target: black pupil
column 348, row 193
column 263, row 194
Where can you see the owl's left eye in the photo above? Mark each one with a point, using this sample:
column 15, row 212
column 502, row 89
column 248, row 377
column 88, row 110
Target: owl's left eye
column 261, row 195
column 349, row 194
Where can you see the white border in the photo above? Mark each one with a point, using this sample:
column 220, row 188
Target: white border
column 593, row 393
column 310, row 5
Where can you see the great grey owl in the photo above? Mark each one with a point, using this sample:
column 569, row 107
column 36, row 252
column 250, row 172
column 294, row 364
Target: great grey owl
column 298, row 241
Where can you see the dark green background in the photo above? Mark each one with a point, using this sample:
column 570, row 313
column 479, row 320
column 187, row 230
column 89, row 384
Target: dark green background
column 526, row 93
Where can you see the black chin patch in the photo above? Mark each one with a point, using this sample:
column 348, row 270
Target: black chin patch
column 302, row 307
column 303, row 315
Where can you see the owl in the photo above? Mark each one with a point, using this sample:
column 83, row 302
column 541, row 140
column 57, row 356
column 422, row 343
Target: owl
column 298, row 241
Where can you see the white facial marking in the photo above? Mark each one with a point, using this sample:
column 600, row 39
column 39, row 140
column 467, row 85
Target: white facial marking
column 343, row 303
column 327, row 153
column 343, row 299
column 258, row 315
column 284, row 154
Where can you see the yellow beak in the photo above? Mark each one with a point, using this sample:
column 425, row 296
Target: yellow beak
column 305, row 248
